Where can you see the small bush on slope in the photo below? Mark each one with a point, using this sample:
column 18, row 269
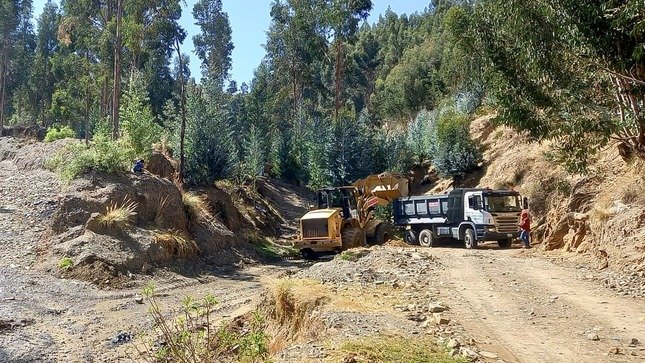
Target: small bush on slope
column 57, row 133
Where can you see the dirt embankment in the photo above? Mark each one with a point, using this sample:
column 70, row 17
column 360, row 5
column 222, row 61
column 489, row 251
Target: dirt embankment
column 109, row 227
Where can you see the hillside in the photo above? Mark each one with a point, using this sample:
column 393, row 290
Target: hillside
column 598, row 216
column 579, row 283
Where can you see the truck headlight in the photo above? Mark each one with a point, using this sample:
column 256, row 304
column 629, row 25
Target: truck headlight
column 491, row 229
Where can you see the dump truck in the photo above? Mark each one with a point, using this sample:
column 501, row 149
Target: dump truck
column 344, row 216
column 468, row 215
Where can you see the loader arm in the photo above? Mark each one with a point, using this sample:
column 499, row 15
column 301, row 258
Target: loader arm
column 378, row 189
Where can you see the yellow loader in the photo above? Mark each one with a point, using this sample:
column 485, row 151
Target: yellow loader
column 344, row 217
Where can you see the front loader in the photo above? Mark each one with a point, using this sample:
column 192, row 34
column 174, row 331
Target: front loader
column 344, row 217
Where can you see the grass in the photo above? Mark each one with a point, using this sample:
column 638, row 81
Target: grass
column 65, row 264
column 193, row 334
column 176, row 243
column 396, row 349
column 197, row 206
column 270, row 250
column 349, row 256
column 351, row 298
column 294, row 310
column 119, row 216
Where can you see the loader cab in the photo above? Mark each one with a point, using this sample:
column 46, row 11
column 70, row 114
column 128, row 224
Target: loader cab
column 343, row 198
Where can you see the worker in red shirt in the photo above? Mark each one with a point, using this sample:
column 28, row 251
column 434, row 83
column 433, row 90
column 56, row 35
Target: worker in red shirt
column 525, row 225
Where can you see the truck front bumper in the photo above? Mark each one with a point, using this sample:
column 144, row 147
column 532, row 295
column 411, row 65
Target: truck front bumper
column 497, row 236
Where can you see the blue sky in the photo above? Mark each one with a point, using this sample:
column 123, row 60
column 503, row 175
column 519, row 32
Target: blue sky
column 249, row 22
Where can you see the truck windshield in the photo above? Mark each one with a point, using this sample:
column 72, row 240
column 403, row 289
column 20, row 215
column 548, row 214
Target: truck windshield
column 503, row 203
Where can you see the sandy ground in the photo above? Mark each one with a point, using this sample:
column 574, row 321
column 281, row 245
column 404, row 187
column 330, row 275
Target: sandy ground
column 531, row 310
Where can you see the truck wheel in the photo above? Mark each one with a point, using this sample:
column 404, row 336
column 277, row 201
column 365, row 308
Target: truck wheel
column 383, row 233
column 353, row 237
column 427, row 238
column 410, row 237
column 308, row 254
column 469, row 239
column 505, row 243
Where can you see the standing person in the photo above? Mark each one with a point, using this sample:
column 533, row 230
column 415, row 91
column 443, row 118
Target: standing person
column 525, row 225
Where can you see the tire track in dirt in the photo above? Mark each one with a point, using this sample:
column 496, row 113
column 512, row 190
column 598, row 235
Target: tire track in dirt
column 530, row 310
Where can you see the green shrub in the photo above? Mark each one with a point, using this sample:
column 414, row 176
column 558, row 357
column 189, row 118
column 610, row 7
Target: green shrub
column 57, row 133
column 138, row 124
column 454, row 153
column 65, row 263
column 102, row 155
column 194, row 336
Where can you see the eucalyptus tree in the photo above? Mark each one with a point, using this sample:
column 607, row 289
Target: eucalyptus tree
column 571, row 71
column 16, row 39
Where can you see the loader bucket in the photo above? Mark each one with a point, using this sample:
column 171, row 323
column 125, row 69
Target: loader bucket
column 386, row 187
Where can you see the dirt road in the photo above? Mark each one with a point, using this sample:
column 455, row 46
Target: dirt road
column 531, row 310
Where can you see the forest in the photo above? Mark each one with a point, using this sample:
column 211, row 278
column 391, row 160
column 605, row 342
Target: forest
column 335, row 98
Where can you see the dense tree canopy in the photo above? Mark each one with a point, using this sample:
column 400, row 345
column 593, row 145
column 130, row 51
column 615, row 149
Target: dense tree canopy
column 335, row 98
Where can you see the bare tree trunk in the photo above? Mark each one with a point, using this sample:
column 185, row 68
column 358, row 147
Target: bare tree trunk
column 337, row 76
column 2, row 93
column 2, row 86
column 117, row 73
column 182, row 131
column 87, row 106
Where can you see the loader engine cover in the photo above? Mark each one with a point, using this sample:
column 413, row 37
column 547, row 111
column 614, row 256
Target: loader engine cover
column 320, row 230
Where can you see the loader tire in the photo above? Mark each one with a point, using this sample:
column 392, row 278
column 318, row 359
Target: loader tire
column 353, row 237
column 308, row 254
column 383, row 233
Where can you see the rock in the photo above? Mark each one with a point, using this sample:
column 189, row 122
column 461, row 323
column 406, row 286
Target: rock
column 593, row 336
column 440, row 320
column 469, row 353
column 379, row 282
column 138, row 299
column 436, row 308
column 121, row 337
column 453, row 344
column 416, row 317
column 488, row 355
column 614, row 350
column 633, row 342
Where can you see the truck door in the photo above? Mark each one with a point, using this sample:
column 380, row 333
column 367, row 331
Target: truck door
column 473, row 208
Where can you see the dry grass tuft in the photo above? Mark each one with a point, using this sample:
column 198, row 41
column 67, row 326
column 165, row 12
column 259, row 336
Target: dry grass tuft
column 176, row 243
column 197, row 206
column 119, row 216
column 291, row 310
column 294, row 308
column 395, row 349
column 602, row 214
